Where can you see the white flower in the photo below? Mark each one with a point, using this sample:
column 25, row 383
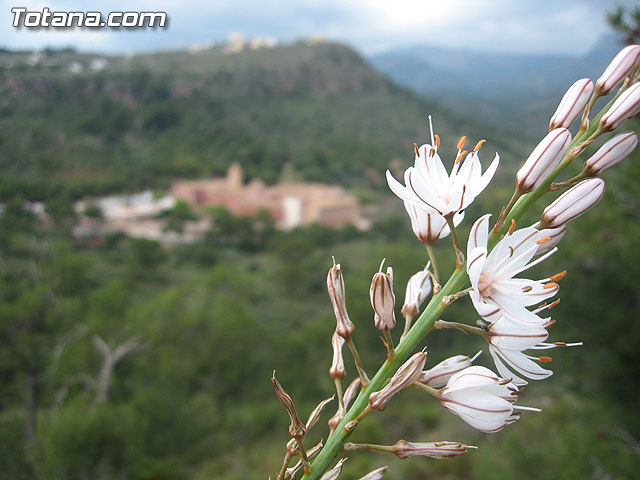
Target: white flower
column 495, row 292
column 429, row 227
column 481, row 398
column 439, row 375
column 507, row 342
column 418, row 289
column 427, row 184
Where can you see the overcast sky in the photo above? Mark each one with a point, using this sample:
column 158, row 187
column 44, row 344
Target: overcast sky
column 567, row 27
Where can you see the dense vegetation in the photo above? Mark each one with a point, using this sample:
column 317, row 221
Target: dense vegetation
column 122, row 359
column 145, row 120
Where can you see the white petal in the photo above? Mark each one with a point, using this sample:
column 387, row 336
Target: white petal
column 522, row 364
column 479, row 186
column 485, row 308
column 479, row 234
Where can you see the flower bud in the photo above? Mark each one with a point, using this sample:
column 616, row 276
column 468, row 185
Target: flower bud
column 612, row 152
column 383, row 299
column 626, row 106
column 337, row 370
column 406, row 376
column 572, row 104
column 620, row 67
column 439, row 375
column 554, row 236
column 544, row 158
column 573, row 203
column 418, row 289
column 350, row 392
column 297, row 428
column 440, row 450
column 377, row 474
column 335, row 287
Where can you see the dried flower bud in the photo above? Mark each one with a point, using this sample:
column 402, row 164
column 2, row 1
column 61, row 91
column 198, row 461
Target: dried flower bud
column 612, row 152
column 554, row 235
column 544, row 158
column 297, row 428
column 383, row 299
column 620, row 67
column 335, row 420
column 418, row 289
column 573, row 203
column 440, row 450
column 315, row 415
column 572, row 104
column 626, row 106
column 335, row 287
column 376, row 474
column 439, row 375
column 350, row 392
column 337, row 370
column 334, row 472
column 406, row 376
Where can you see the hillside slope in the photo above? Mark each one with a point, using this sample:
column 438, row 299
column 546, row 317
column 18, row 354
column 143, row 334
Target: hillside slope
column 77, row 123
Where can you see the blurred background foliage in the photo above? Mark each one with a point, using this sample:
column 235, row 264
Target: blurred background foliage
column 129, row 360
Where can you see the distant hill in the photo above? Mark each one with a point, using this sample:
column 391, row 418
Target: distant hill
column 519, row 92
column 76, row 123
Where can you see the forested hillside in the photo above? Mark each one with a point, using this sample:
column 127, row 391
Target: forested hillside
column 141, row 121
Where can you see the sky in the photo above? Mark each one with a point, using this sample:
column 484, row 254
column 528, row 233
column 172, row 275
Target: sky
column 561, row 27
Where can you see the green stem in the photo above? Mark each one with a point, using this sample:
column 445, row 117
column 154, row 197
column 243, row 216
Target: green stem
column 434, row 265
column 422, row 326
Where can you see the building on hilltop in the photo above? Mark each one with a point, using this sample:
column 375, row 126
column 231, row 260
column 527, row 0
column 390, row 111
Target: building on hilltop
column 291, row 204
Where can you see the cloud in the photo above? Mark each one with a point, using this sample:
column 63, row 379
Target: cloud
column 561, row 26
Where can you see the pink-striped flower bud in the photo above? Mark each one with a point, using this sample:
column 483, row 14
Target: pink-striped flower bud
column 406, row 376
column 439, row 375
column 544, row 158
column 335, row 287
column 383, row 299
column 620, row 67
column 612, row 152
column 573, row 203
column 337, row 370
column 439, row 450
column 376, row 474
column 572, row 104
column 552, row 237
column 626, row 106
column 418, row 289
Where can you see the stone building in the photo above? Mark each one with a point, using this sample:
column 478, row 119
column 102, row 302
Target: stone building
column 291, row 204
